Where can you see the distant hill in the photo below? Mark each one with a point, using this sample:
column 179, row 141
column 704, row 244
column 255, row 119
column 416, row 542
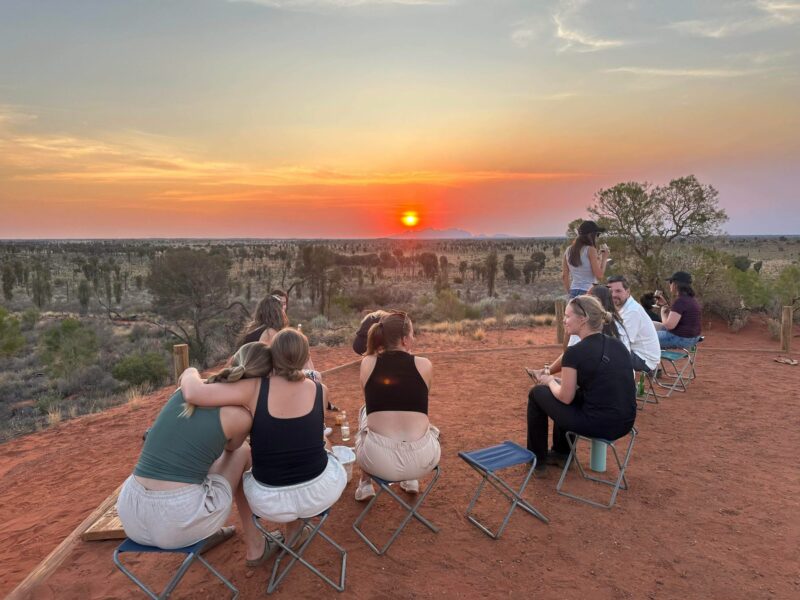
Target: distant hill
column 445, row 234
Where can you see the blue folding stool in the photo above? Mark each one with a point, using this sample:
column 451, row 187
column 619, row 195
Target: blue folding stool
column 620, row 483
column 383, row 486
column 682, row 361
column 192, row 553
column 487, row 461
column 297, row 554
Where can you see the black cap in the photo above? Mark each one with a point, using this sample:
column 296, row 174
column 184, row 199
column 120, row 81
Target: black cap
column 589, row 227
column 681, row 277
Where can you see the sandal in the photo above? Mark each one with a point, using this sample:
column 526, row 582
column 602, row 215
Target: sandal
column 270, row 548
column 215, row 539
column 302, row 536
column 332, row 407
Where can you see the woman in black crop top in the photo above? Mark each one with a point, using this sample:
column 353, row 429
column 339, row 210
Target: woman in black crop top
column 292, row 475
column 596, row 395
column 395, row 440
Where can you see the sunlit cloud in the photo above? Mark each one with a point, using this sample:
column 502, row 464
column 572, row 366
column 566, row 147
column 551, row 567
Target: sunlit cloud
column 310, row 4
column 574, row 38
column 759, row 16
column 686, row 73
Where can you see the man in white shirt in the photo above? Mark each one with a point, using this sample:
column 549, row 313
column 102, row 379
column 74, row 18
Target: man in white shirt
column 645, row 349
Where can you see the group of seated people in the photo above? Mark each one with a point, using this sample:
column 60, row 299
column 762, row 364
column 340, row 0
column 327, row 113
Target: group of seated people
column 196, row 461
column 611, row 337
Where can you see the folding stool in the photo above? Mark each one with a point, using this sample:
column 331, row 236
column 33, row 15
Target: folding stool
column 487, row 461
column 192, row 553
column 297, row 555
column 411, row 511
column 682, row 361
column 620, row 483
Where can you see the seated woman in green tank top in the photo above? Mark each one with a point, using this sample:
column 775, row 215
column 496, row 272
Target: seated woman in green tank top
column 191, row 467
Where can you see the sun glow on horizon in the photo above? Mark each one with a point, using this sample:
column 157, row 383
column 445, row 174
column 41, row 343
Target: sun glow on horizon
column 410, row 218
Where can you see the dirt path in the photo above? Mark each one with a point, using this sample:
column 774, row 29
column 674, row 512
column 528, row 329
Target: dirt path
column 712, row 510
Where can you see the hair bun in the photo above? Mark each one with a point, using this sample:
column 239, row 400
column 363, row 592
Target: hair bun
column 607, row 317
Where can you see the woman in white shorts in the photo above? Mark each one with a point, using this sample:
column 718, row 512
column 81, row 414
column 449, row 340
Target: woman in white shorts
column 292, row 475
column 395, row 441
column 191, row 466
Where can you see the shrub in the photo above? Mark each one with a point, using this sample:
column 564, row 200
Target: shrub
column 449, row 307
column 69, row 346
column 11, row 338
column 29, row 319
column 320, row 322
column 138, row 369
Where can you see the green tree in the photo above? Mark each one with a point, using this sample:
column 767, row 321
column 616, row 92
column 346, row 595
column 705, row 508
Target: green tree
column 787, row 286
column 68, row 347
column 41, row 289
column 510, row 271
column 644, row 220
column 190, row 289
column 11, row 338
column 84, row 295
column 491, row 271
column 8, row 281
column 136, row 369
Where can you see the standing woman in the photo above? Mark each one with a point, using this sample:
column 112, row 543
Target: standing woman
column 582, row 265
column 292, row 475
column 680, row 322
column 396, row 440
column 596, row 395
column 191, row 466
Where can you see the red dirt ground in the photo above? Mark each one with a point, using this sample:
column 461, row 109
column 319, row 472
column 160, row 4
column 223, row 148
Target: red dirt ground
column 712, row 511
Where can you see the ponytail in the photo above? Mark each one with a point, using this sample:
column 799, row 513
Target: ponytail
column 388, row 332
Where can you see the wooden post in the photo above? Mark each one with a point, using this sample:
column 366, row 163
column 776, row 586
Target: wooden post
column 561, row 306
column 786, row 329
column 180, row 358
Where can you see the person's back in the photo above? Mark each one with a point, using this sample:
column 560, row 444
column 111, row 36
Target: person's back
column 641, row 332
column 691, row 316
column 581, row 276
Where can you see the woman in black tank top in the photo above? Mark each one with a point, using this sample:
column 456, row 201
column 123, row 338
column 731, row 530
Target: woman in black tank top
column 395, row 440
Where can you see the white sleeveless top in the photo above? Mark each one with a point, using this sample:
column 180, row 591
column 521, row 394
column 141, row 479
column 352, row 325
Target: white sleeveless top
column 581, row 278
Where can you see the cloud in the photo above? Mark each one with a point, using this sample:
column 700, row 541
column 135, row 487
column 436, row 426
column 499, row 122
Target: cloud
column 311, row 4
column 574, row 38
column 759, row 16
column 687, row 73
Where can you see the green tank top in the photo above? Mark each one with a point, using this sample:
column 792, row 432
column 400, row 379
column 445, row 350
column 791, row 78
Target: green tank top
column 179, row 448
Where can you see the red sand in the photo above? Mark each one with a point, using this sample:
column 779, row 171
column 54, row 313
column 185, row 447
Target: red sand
column 712, row 511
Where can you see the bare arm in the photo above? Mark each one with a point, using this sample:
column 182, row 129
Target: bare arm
column 565, row 389
column 565, row 278
column 425, row 368
column 367, row 366
column 598, row 262
column 238, row 393
column 669, row 318
column 236, row 423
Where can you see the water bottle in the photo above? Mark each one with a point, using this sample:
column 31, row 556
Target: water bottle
column 345, row 428
column 640, row 388
column 546, row 369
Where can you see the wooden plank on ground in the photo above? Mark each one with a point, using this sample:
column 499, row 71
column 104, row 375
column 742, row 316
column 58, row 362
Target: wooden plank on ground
column 106, row 527
column 57, row 556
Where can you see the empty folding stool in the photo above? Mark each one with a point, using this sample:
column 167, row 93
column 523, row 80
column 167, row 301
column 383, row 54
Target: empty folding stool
column 296, row 554
column 487, row 461
column 192, row 553
column 411, row 511
column 616, row 484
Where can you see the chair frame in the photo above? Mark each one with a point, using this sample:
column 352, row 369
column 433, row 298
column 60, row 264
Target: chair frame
column 411, row 511
column 278, row 575
column 680, row 377
column 514, row 496
column 192, row 552
column 621, row 482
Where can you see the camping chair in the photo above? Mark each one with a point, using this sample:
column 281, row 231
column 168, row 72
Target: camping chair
column 411, row 511
column 297, row 554
column 192, row 553
column 616, row 484
column 487, row 461
column 682, row 371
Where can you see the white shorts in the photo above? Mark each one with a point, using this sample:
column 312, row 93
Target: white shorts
column 174, row 518
column 301, row 500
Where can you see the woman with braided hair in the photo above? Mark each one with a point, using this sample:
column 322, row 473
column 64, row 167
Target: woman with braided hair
column 292, row 475
column 190, row 468
column 596, row 395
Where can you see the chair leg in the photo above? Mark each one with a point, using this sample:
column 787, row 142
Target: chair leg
column 412, row 512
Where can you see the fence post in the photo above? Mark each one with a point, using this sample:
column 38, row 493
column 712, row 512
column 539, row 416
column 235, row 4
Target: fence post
column 180, row 359
column 561, row 305
column 786, row 329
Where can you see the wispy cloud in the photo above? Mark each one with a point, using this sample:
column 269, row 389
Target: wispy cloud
column 575, row 38
column 759, row 16
column 686, row 73
column 311, row 4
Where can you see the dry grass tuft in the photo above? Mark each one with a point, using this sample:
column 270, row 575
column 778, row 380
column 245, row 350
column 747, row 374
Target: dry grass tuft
column 54, row 416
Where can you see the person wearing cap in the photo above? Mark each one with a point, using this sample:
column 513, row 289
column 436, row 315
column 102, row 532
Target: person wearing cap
column 680, row 321
column 582, row 264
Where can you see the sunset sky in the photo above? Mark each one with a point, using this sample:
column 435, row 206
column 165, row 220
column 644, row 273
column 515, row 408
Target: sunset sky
column 333, row 118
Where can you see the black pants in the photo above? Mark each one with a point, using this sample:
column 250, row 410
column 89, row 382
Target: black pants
column 566, row 417
column 639, row 364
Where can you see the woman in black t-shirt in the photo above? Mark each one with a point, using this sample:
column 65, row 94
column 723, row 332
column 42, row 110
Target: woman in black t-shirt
column 596, row 395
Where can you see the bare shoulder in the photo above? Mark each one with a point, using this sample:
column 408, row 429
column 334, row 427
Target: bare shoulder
column 367, row 366
column 235, row 419
column 424, row 365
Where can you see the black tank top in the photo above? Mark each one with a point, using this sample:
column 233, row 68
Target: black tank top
column 287, row 451
column 254, row 335
column 395, row 384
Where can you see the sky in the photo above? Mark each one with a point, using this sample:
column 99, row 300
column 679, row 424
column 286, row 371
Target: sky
column 333, row 118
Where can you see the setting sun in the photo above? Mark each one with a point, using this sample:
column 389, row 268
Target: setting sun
column 410, row 219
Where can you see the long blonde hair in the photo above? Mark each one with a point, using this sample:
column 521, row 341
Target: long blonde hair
column 250, row 361
column 289, row 349
column 590, row 307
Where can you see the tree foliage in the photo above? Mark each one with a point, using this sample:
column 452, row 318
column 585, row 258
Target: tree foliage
column 68, row 347
column 644, row 220
column 491, row 271
column 137, row 369
column 11, row 338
